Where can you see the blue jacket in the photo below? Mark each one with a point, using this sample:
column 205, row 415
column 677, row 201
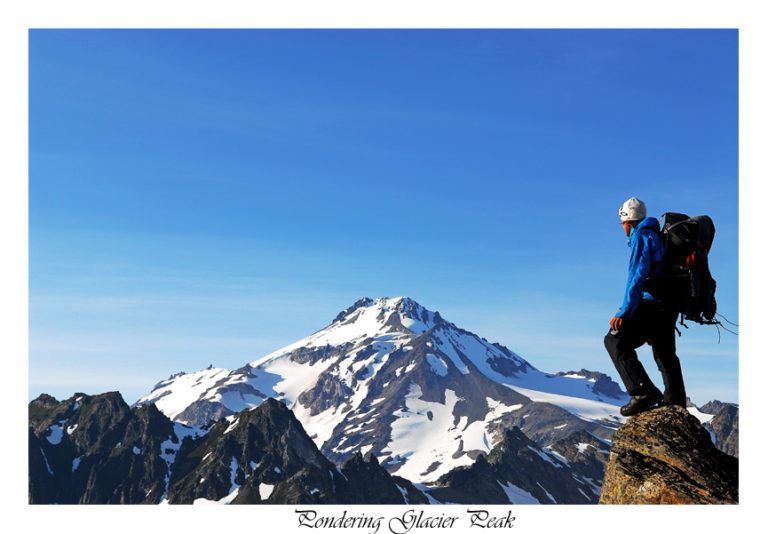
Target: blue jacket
column 645, row 259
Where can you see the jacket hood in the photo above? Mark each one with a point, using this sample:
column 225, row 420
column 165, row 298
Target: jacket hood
column 648, row 222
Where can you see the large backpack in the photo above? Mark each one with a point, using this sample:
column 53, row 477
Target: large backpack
column 687, row 285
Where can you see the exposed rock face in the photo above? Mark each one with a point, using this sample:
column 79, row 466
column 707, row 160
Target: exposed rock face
column 603, row 382
column 328, row 392
column 204, row 411
column 714, row 406
column 368, row 482
column 725, row 426
column 586, row 454
column 419, row 375
column 263, row 455
column 518, row 471
column 665, row 456
column 97, row 450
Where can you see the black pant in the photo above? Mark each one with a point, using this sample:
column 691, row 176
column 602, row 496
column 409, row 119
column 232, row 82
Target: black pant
column 650, row 322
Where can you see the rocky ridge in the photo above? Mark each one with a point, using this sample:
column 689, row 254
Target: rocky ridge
column 263, row 455
column 97, row 450
column 518, row 471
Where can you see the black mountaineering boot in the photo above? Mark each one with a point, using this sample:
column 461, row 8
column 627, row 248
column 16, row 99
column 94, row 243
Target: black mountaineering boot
column 640, row 403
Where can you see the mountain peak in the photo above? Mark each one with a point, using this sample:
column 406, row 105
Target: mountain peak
column 384, row 377
column 382, row 316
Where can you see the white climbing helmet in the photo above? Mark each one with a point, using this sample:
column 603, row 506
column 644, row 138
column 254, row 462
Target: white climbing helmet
column 632, row 210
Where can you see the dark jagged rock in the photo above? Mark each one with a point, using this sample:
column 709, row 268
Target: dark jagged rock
column 546, row 423
column 603, row 384
column 475, row 484
column 714, row 407
column 42, row 479
column 409, row 491
column 587, row 455
column 369, row 483
column 725, row 426
column 263, row 455
column 329, row 392
column 665, row 456
column 520, row 461
column 96, row 450
column 516, row 471
column 41, row 406
column 262, row 446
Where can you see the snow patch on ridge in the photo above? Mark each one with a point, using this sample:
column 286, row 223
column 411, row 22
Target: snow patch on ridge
column 233, row 420
column 412, row 432
column 589, row 410
column 319, row 426
column 701, row 416
column 447, row 347
column 173, row 396
column 234, row 489
column 437, row 365
column 47, row 465
column 265, row 490
column 544, row 456
column 413, row 435
column 518, row 495
column 168, row 450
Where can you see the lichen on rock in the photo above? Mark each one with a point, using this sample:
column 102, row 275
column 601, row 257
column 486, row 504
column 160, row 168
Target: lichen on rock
column 665, row 456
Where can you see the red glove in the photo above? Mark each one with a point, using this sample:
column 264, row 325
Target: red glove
column 617, row 323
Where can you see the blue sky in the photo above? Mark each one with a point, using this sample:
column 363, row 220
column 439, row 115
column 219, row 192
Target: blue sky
column 207, row 197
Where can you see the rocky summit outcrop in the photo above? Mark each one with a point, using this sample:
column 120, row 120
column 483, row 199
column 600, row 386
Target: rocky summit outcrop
column 665, row 456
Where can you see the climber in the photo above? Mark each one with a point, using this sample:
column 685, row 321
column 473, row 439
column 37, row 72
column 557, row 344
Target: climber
column 644, row 319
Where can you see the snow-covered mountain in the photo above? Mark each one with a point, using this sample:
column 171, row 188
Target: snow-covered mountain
column 392, row 378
